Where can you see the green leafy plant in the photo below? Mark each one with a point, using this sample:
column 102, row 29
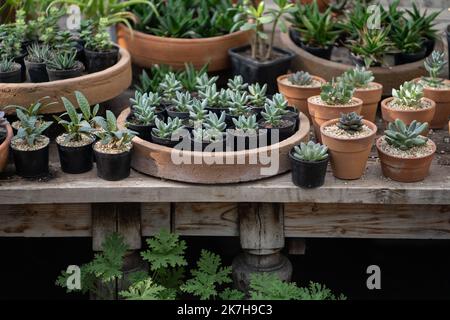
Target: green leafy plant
column 354, row 20
column 197, row 110
column 336, row 92
column 272, row 116
column 38, row 53
column 207, row 135
column 371, row 45
column 89, row 114
column 33, row 109
column 246, row 124
column 238, row 103
column 76, row 127
column 64, row 60
column 96, row 36
column 30, row 130
column 10, row 47
column 257, row 95
column 7, row 65
column 211, row 96
column 300, row 78
column 3, row 124
column 111, row 136
column 425, row 21
column 406, row 36
column 350, row 122
column 169, row 86
column 405, row 137
column 409, row 94
column 64, row 41
column 434, row 64
column 182, row 102
column 150, row 83
column 216, row 123
column 310, row 152
column 358, row 77
column 237, row 84
column 144, row 107
column 279, row 102
column 204, row 81
column 165, row 130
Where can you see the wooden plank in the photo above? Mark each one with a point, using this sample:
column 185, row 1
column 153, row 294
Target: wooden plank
column 201, row 219
column 104, row 222
column 154, row 217
column 129, row 224
column 362, row 221
column 45, row 220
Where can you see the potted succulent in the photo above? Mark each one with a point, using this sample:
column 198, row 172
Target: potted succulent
column 257, row 97
column 238, row 105
column 169, row 133
column 113, row 151
column 407, row 38
column 63, row 65
column 370, row 47
column 211, row 137
column 349, row 140
column 277, row 127
column 404, row 153
column 32, row 111
column 202, row 82
column 75, row 145
column 11, row 49
column 365, row 89
column 437, row 89
column 309, row 163
column 180, row 105
column 336, row 97
column 216, row 101
column 144, row 107
column 6, row 135
column 261, row 61
column 10, row 71
column 408, row 104
column 246, row 134
column 30, row 147
column 198, row 114
column 36, row 60
column 298, row 87
column 169, row 88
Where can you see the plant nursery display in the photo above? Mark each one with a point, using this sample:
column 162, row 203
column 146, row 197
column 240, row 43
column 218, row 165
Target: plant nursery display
column 405, row 154
column 349, row 140
column 309, row 164
column 6, row 134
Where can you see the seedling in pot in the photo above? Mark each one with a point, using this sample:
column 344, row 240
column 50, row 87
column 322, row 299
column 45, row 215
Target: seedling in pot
column 246, row 125
column 434, row 64
column 38, row 53
column 279, row 127
column 358, row 77
column 310, row 152
column 257, row 96
column 142, row 120
column 168, row 133
column 32, row 111
column 246, row 134
column 10, row 72
column 300, row 78
column 189, row 77
column 150, row 83
column 272, row 116
column 169, row 87
column 337, row 93
column 215, row 100
column 63, row 65
column 371, row 46
column 64, row 41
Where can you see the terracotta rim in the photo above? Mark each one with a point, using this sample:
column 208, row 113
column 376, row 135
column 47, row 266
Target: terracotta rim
column 379, row 87
column 434, row 89
column 360, row 102
column 385, row 102
column 371, row 125
column 9, row 136
column 322, row 80
column 378, row 142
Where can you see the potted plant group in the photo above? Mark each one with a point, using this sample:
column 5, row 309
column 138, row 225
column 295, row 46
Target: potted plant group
column 6, row 134
column 298, row 87
column 113, row 150
column 36, row 60
column 144, row 111
column 309, row 163
column 30, row 147
column 262, row 62
column 404, row 153
column 63, row 65
column 349, row 140
column 365, row 89
column 336, row 97
column 10, row 71
column 408, row 104
column 437, row 89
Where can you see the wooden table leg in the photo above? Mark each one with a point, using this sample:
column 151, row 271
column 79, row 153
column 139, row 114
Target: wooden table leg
column 262, row 238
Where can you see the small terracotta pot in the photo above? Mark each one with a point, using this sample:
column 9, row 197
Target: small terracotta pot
column 407, row 116
column 4, row 148
column 404, row 170
column 296, row 95
column 442, row 99
column 321, row 113
column 370, row 99
column 348, row 156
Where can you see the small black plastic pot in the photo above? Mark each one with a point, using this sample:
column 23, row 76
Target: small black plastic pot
column 293, row 115
column 307, row 174
column 404, row 58
column 21, row 60
column 217, row 111
column 55, row 75
column 113, row 167
column 295, row 36
column 13, row 76
column 254, row 71
column 76, row 160
column 37, row 72
column 173, row 113
column 31, row 164
column 97, row 61
column 283, row 133
column 324, row 53
column 144, row 131
column 80, row 51
column 166, row 142
column 429, row 46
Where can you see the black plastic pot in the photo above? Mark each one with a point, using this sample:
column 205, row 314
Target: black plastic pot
column 80, row 51
column 37, row 72
column 324, row 53
column 97, row 61
column 293, row 115
column 283, row 133
column 172, row 113
column 21, row 60
column 295, row 37
column 144, row 131
column 307, row 174
column 260, row 72
column 14, row 76
column 429, row 46
column 31, row 164
column 166, row 142
column 217, row 111
column 404, row 58
column 241, row 142
column 113, row 167
column 55, row 75
column 76, row 159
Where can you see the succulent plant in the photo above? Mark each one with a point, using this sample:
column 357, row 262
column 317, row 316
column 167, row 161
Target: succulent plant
column 213, row 122
column 182, row 101
column 63, row 60
column 211, row 96
column 246, row 124
column 359, row 77
column 112, row 136
column 203, row 135
column 169, row 86
column 197, row 110
column 350, row 122
column 148, row 99
column 165, row 130
column 272, row 115
column 310, row 152
column 38, row 53
column 96, row 35
column 222, row 98
column 409, row 94
column 237, row 84
column 434, row 64
column 30, row 128
column 300, row 78
column 336, row 92
column 238, row 102
column 64, row 41
column 3, row 123
column 204, row 81
column 371, row 45
column 6, row 65
column 279, row 102
column 405, row 137
column 76, row 127
column 257, row 95
column 189, row 76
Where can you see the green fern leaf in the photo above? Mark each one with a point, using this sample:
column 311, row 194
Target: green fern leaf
column 143, row 290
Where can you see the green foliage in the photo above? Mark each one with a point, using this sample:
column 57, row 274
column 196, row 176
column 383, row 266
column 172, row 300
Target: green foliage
column 350, row 122
column 215, row 123
column 310, row 151
column 407, row 37
column 272, row 115
column 89, row 114
column 38, row 53
column 76, row 127
column 197, row 111
column 165, row 130
column 111, row 135
column 64, row 41
column 424, row 21
column 3, row 123
column 182, row 102
column 300, row 78
column 169, row 86
column 371, row 45
column 434, row 64
column 10, row 47
column 144, row 107
column 207, row 277
column 96, row 35
column 231, row 294
column 143, row 290
column 207, row 135
column 405, row 137
column 358, row 77
column 257, row 96
column 211, row 96
column 7, row 65
column 246, row 124
column 238, row 103
column 189, row 76
column 63, row 60
column 31, row 128
column 237, row 84
column 203, row 81
column 33, row 110
column 410, row 94
column 354, row 20
column 279, row 102
column 337, row 92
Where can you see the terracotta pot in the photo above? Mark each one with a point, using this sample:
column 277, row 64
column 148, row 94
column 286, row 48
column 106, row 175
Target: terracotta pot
column 323, row 4
column 407, row 116
column 370, row 99
column 297, row 96
column 147, row 50
column 404, row 170
column 348, row 156
column 442, row 99
column 321, row 113
column 4, row 148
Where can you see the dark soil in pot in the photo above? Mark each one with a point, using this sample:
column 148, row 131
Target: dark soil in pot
column 21, row 60
column 254, row 71
column 238, row 141
column 307, row 174
column 144, row 131
column 55, row 75
column 31, row 164
column 13, row 76
column 167, row 142
column 98, row 61
column 324, row 53
column 404, row 58
column 113, row 166
column 285, row 130
column 76, row 160
column 173, row 113
column 37, row 72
